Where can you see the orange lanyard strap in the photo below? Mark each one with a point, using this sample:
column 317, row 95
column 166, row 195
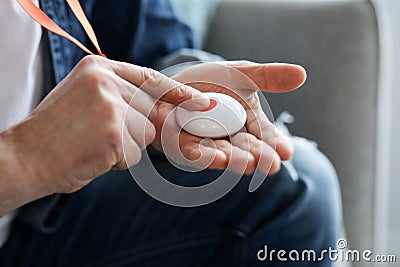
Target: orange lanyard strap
column 40, row 17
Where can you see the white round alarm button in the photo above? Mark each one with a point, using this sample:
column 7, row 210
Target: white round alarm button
column 225, row 116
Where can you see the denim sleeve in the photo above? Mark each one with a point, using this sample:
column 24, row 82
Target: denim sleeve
column 141, row 31
column 172, row 63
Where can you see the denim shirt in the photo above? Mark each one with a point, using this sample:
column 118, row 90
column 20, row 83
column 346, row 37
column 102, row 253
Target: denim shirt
column 135, row 31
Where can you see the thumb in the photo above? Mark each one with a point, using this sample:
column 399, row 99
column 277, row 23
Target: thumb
column 273, row 77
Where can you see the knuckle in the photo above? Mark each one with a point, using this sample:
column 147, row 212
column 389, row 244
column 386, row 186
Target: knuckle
column 114, row 140
column 148, row 73
column 258, row 145
column 114, row 136
column 93, row 77
column 152, row 79
column 265, row 127
column 181, row 94
column 105, row 110
column 97, row 79
column 89, row 61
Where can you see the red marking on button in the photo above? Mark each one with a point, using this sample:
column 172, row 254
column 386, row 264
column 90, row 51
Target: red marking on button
column 213, row 104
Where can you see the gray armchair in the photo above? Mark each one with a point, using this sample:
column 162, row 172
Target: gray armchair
column 338, row 43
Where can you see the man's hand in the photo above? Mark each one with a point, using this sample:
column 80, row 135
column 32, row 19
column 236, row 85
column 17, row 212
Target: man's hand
column 77, row 133
column 262, row 146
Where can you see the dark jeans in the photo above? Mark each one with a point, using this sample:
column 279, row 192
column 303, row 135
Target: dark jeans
column 112, row 222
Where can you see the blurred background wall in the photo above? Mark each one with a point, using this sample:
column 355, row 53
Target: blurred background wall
column 390, row 12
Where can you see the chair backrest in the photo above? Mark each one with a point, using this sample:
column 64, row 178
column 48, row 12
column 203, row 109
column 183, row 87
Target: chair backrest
column 338, row 43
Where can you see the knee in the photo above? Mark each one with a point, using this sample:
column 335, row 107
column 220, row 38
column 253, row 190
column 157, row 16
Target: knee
column 322, row 198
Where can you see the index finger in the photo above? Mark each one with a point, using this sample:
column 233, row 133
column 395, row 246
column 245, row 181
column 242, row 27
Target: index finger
column 160, row 86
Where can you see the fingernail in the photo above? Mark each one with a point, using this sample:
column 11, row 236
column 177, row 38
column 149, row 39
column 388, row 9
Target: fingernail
column 202, row 100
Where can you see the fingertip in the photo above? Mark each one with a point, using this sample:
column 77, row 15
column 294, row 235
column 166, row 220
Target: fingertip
column 285, row 77
column 251, row 164
column 276, row 165
column 297, row 76
column 220, row 161
column 284, row 147
column 201, row 101
column 221, row 157
column 302, row 74
column 194, row 99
